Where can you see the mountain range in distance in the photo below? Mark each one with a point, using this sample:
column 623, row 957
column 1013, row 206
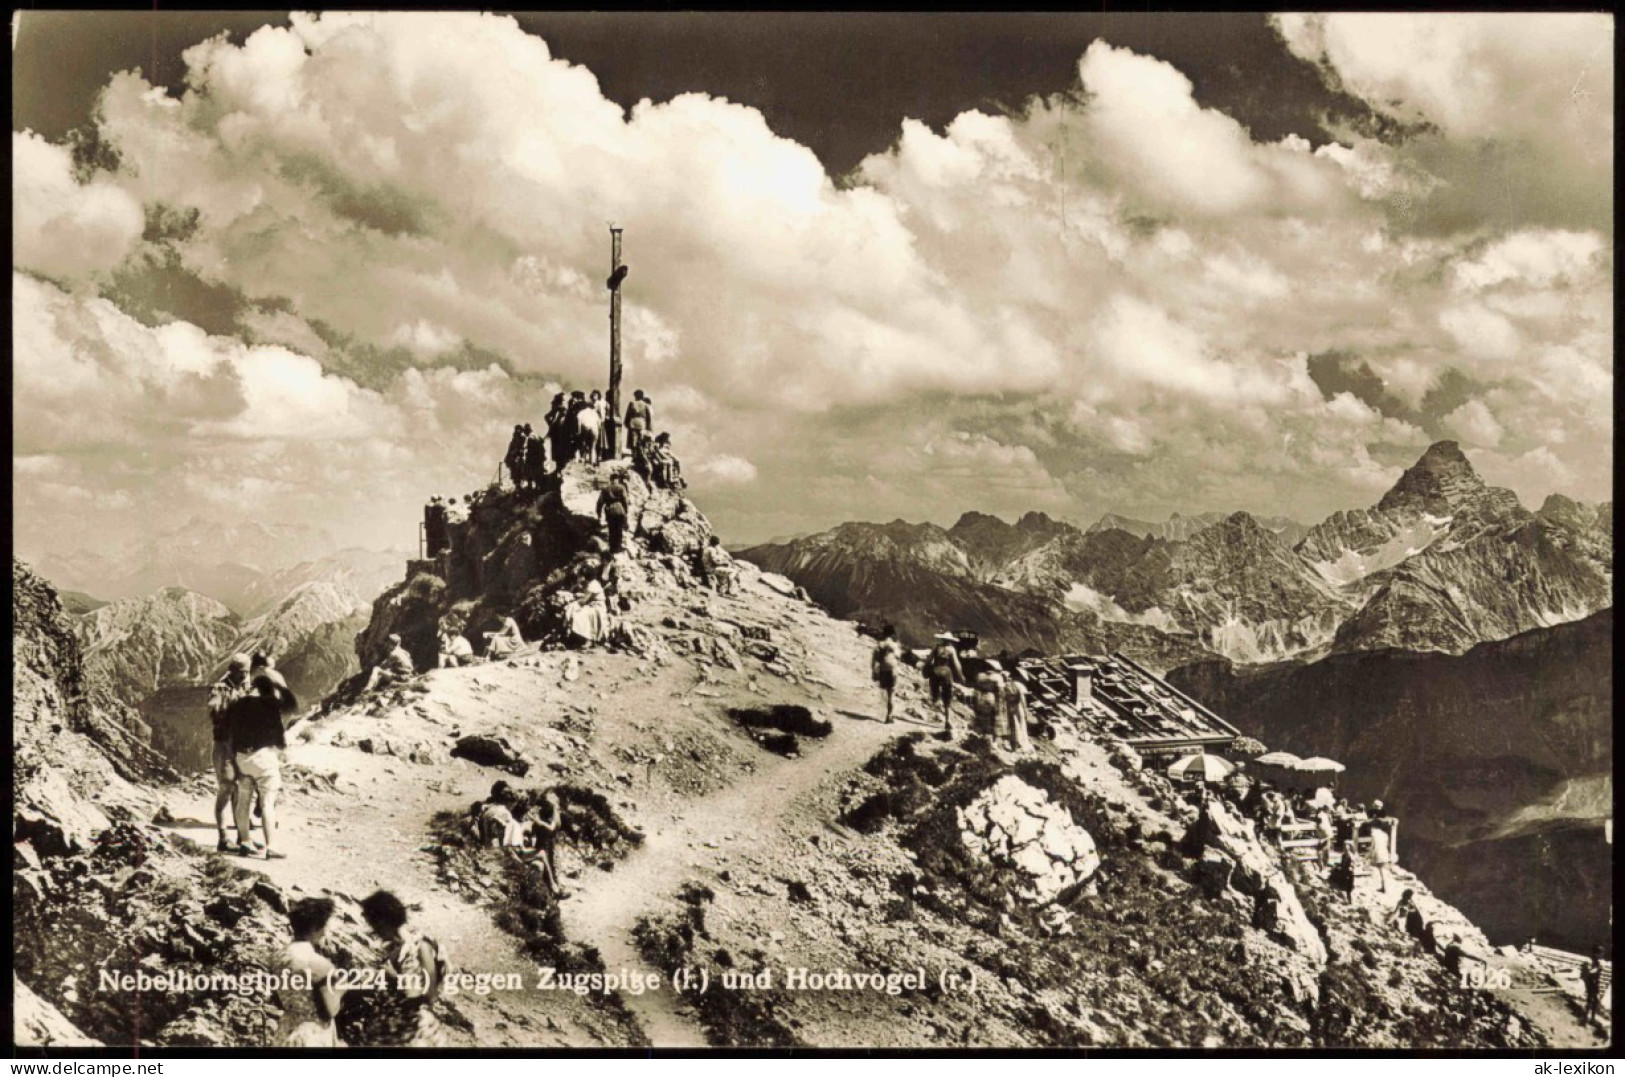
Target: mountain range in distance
column 158, row 622
column 1441, row 563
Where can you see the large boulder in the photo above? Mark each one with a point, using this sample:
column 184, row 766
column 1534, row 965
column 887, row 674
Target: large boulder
column 491, row 752
column 1015, row 826
column 1259, row 876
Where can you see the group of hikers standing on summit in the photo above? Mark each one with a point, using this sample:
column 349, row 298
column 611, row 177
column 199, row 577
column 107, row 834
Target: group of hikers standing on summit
column 578, row 427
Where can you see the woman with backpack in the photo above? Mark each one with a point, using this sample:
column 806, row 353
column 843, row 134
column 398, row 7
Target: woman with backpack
column 415, row 968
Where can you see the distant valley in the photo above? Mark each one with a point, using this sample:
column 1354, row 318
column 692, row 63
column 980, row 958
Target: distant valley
column 157, row 651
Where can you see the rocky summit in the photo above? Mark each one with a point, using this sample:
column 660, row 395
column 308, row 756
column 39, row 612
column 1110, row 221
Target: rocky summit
column 732, row 805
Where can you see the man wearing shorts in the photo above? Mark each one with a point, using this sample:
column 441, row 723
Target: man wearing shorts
column 942, row 671
column 226, row 691
column 883, row 666
column 259, row 748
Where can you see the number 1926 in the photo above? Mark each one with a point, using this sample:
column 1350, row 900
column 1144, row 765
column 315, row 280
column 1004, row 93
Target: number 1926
column 1480, row 978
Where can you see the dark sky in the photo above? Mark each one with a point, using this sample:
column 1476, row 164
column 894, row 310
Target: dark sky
column 838, row 83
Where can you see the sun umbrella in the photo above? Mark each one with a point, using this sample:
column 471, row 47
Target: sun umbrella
column 1278, row 759
column 1247, row 746
column 1321, row 764
column 1200, row 768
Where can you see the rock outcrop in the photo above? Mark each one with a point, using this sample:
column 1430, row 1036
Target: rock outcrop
column 517, row 551
column 1018, row 827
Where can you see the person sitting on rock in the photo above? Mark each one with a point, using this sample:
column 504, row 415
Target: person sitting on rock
column 1402, row 909
column 493, row 819
column 226, row 691
column 396, row 667
column 720, row 571
column 588, row 618
column 505, row 641
column 310, row 1001
column 883, row 666
column 612, row 512
column 943, row 672
column 455, row 650
column 542, row 833
column 415, row 968
column 259, row 747
column 665, row 471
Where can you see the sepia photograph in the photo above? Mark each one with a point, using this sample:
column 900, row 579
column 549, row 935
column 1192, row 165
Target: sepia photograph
column 638, row 531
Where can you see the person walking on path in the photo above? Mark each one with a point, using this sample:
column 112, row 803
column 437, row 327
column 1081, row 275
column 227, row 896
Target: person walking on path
column 883, row 667
column 942, row 673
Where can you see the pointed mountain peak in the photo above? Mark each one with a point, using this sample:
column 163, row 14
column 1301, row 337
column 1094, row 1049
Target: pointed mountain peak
column 1440, row 482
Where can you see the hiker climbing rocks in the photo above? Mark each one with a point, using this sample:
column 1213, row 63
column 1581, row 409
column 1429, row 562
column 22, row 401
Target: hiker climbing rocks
column 505, row 640
column 883, row 667
column 1013, row 697
column 943, row 672
column 259, row 747
column 720, row 571
column 310, row 1002
column 396, row 667
column 514, row 460
column 226, row 691
column 639, row 421
column 415, row 968
column 612, row 512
